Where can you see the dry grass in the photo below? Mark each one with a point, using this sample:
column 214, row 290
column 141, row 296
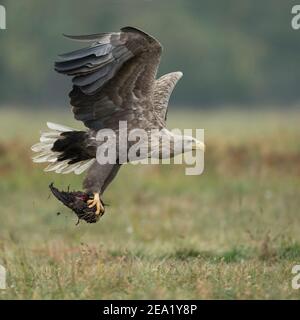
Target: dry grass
column 231, row 233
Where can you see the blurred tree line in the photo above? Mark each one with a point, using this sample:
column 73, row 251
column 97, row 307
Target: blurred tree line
column 231, row 51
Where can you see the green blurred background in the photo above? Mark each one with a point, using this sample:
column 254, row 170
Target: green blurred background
column 231, row 51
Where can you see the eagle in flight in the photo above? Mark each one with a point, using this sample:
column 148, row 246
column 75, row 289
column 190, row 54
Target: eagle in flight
column 114, row 79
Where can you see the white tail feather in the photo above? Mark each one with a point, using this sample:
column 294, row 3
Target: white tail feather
column 38, row 147
column 85, row 165
column 53, row 166
column 45, row 158
column 47, row 139
column 50, row 134
column 71, row 168
column 45, row 154
column 58, row 127
column 63, row 165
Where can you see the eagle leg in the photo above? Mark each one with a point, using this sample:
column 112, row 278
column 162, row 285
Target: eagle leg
column 96, row 202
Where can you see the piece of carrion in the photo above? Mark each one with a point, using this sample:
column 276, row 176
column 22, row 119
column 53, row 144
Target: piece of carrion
column 77, row 202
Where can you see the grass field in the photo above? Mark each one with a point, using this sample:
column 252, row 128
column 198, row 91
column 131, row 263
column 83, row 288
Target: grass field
column 231, row 233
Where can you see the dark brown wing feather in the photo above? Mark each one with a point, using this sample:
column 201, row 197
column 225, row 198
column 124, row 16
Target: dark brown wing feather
column 114, row 79
column 162, row 92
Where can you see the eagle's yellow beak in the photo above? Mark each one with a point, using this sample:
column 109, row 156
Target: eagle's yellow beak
column 198, row 145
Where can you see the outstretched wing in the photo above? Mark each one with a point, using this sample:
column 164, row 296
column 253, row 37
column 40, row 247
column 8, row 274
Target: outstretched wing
column 113, row 79
column 162, row 91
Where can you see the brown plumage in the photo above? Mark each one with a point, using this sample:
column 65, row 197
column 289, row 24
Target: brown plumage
column 114, row 79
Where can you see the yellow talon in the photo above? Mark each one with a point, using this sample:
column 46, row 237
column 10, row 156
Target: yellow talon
column 96, row 202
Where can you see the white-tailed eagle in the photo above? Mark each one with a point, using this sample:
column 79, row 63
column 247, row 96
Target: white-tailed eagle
column 114, row 79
